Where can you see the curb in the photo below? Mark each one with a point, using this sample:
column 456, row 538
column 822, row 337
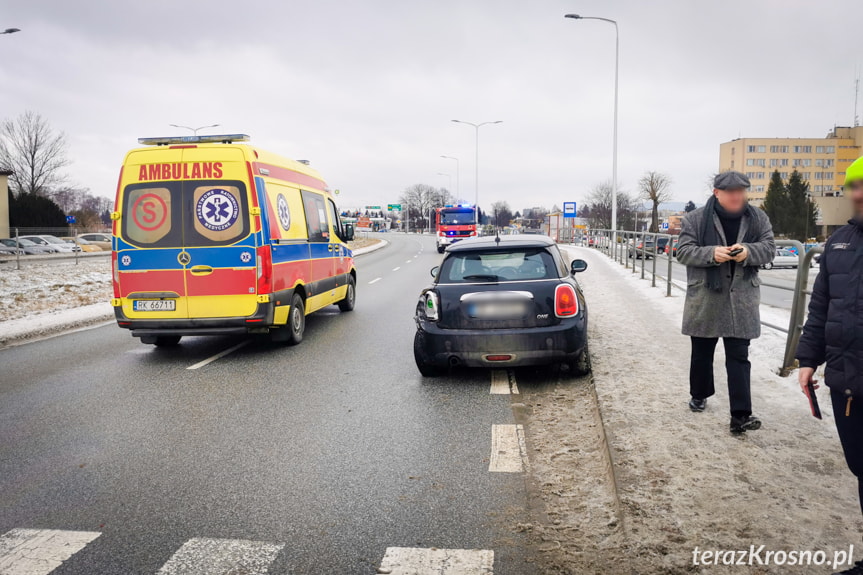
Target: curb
column 362, row 251
column 20, row 331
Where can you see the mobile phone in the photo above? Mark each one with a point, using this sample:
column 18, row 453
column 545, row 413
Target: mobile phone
column 736, row 252
column 813, row 400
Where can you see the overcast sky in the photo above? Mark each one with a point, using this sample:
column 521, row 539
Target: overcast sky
column 366, row 90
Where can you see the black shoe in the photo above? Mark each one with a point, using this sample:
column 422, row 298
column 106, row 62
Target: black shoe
column 697, row 405
column 857, row 569
column 743, row 424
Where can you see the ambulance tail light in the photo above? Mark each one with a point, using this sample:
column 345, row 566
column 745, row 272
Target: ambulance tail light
column 116, row 275
column 565, row 301
column 264, row 271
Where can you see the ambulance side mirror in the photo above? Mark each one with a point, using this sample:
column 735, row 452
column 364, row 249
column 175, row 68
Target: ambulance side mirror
column 349, row 232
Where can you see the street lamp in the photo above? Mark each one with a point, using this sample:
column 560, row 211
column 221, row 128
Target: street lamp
column 10, row 30
column 457, row 176
column 476, row 181
column 614, row 154
column 194, row 130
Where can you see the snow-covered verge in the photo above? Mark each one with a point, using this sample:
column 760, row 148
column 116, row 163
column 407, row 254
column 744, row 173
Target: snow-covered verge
column 683, row 480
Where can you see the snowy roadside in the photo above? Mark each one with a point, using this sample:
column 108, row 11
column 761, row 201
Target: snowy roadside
column 683, row 480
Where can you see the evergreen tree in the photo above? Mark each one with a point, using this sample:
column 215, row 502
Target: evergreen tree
column 690, row 207
column 34, row 211
column 776, row 203
column 800, row 215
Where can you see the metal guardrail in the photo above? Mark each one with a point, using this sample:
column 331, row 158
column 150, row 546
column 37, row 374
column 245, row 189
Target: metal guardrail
column 626, row 248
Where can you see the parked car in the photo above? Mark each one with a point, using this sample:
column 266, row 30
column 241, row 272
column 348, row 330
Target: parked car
column 8, row 250
column 84, row 244
column 784, row 258
column 54, row 242
column 661, row 245
column 644, row 247
column 98, row 239
column 28, row 247
column 502, row 301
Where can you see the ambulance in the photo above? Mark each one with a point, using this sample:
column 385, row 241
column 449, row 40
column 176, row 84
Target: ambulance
column 212, row 236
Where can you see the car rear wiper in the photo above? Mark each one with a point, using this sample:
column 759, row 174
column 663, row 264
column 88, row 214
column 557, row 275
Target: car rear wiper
column 487, row 277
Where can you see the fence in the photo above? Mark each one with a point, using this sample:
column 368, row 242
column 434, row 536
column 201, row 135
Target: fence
column 623, row 246
column 72, row 250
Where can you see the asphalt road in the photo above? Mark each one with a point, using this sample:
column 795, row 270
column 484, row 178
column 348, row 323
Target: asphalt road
column 318, row 457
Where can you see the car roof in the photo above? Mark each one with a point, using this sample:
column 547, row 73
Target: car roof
column 493, row 242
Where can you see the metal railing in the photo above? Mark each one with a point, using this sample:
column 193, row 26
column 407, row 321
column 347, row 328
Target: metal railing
column 630, row 245
column 71, row 232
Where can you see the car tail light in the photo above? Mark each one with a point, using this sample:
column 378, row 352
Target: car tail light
column 116, row 277
column 565, row 301
column 264, row 265
column 432, row 306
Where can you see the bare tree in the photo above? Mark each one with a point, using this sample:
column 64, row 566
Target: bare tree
column 421, row 199
column 654, row 188
column 501, row 214
column 598, row 206
column 34, row 152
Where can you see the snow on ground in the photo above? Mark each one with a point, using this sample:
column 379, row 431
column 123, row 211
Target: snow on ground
column 683, row 479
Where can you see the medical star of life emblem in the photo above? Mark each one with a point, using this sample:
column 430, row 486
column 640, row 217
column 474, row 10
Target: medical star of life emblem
column 245, row 257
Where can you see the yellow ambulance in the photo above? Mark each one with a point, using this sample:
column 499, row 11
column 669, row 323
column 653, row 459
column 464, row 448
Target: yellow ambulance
column 213, row 236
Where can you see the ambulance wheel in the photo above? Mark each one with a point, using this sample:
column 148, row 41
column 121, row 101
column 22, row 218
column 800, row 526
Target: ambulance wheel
column 440, row 249
column 296, row 320
column 347, row 304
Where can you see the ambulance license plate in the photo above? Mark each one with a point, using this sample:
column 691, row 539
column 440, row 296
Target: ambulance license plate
column 154, row 305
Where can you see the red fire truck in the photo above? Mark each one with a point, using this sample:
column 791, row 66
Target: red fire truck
column 454, row 223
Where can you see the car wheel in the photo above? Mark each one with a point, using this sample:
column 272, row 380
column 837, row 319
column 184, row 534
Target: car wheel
column 440, row 249
column 768, row 266
column 347, row 304
column 581, row 366
column 426, row 368
column 296, row 320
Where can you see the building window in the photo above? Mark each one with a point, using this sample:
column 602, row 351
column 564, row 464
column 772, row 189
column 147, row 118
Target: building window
column 783, row 175
column 817, row 189
column 819, row 149
column 756, row 162
column 778, row 162
column 750, row 175
column 758, row 189
column 750, row 149
column 762, row 149
column 831, row 149
column 802, row 149
column 778, row 149
column 805, row 175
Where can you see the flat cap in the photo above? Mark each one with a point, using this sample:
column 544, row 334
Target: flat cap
column 730, row 181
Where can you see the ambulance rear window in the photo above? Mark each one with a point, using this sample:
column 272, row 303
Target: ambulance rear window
column 185, row 214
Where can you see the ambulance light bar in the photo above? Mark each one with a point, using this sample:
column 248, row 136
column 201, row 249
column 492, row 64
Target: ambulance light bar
column 206, row 139
column 458, row 206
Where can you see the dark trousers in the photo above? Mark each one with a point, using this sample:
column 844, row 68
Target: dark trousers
column 736, row 365
column 850, row 428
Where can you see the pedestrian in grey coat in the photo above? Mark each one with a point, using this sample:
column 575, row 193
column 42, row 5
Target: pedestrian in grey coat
column 722, row 246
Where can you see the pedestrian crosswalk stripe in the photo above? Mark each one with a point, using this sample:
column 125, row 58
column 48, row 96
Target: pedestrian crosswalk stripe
column 433, row 561
column 508, row 449
column 203, row 556
column 39, row 551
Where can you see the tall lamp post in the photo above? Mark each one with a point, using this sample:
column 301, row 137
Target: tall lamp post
column 614, row 153
column 476, row 181
column 457, row 176
column 194, row 130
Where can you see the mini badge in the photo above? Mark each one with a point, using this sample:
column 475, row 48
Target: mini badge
column 284, row 212
column 217, row 210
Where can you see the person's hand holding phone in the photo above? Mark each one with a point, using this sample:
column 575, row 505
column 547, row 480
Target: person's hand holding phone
column 805, row 375
column 738, row 252
column 721, row 254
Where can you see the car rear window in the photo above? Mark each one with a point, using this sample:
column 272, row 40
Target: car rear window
column 519, row 264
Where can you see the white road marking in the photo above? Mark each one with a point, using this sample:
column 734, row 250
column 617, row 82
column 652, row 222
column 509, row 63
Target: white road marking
column 397, row 269
column 409, row 261
column 221, row 557
column 503, row 382
column 39, row 551
column 376, row 280
column 508, row 449
column 220, row 355
column 419, row 561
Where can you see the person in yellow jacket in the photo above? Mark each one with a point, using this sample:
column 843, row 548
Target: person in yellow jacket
column 832, row 331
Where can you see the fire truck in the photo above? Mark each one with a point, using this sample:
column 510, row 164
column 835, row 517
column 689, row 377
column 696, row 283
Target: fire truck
column 454, row 223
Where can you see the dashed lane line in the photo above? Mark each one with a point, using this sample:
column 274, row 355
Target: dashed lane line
column 201, row 556
column 397, row 269
column 376, row 280
column 503, row 382
column 433, row 561
column 220, row 355
column 508, row 449
column 39, row 551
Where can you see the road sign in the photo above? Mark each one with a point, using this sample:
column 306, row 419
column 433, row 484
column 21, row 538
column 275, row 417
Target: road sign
column 663, row 226
column 373, row 207
column 394, row 207
column 569, row 210
column 70, row 219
